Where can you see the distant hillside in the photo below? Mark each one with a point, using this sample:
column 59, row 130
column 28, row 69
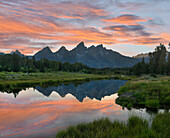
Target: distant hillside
column 141, row 56
column 98, row 57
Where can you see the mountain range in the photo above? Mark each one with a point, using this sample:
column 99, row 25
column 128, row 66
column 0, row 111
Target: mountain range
column 94, row 56
column 93, row 89
column 98, row 57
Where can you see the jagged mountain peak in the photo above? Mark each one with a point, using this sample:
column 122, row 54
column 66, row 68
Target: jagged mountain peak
column 17, row 52
column 100, row 46
column 61, row 52
column 81, row 44
column 63, row 48
column 91, row 47
column 81, row 47
column 46, row 50
column 44, row 53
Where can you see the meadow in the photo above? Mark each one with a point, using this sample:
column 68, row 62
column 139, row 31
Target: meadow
column 11, row 80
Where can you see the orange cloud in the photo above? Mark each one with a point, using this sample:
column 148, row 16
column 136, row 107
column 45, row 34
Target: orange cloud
column 166, row 37
column 30, row 25
column 144, row 41
column 126, row 19
column 42, row 22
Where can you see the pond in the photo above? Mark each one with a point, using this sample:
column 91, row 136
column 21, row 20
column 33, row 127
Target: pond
column 42, row 112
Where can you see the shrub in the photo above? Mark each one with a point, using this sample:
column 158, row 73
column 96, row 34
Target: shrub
column 154, row 103
column 129, row 106
column 167, row 100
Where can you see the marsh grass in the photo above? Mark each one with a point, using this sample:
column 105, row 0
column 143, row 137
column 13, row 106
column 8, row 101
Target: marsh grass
column 133, row 128
column 13, row 80
column 145, row 93
column 161, row 125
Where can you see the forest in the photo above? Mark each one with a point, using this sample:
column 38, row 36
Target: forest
column 159, row 63
column 15, row 63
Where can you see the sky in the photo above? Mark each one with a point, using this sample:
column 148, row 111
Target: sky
column 127, row 26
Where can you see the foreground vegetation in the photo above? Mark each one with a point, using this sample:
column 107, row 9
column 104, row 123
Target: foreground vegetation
column 146, row 91
column 135, row 127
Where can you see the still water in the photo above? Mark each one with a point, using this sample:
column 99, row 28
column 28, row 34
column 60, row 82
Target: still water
column 42, row 112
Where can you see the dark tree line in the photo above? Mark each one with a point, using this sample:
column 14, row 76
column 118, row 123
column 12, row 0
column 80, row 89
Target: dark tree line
column 159, row 63
column 15, row 63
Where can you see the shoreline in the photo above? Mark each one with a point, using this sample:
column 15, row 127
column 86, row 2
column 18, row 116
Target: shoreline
column 49, row 79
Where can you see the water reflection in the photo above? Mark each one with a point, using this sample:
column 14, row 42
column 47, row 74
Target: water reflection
column 41, row 112
column 93, row 89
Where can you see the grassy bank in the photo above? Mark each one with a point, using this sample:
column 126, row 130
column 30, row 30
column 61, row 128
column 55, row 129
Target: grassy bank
column 134, row 127
column 149, row 92
column 11, row 80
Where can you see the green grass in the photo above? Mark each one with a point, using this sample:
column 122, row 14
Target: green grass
column 135, row 127
column 11, row 80
column 145, row 92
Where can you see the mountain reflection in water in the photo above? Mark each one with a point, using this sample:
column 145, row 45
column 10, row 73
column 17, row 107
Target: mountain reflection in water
column 42, row 112
column 93, row 89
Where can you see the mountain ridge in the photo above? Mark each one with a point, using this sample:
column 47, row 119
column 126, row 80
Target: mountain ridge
column 94, row 56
